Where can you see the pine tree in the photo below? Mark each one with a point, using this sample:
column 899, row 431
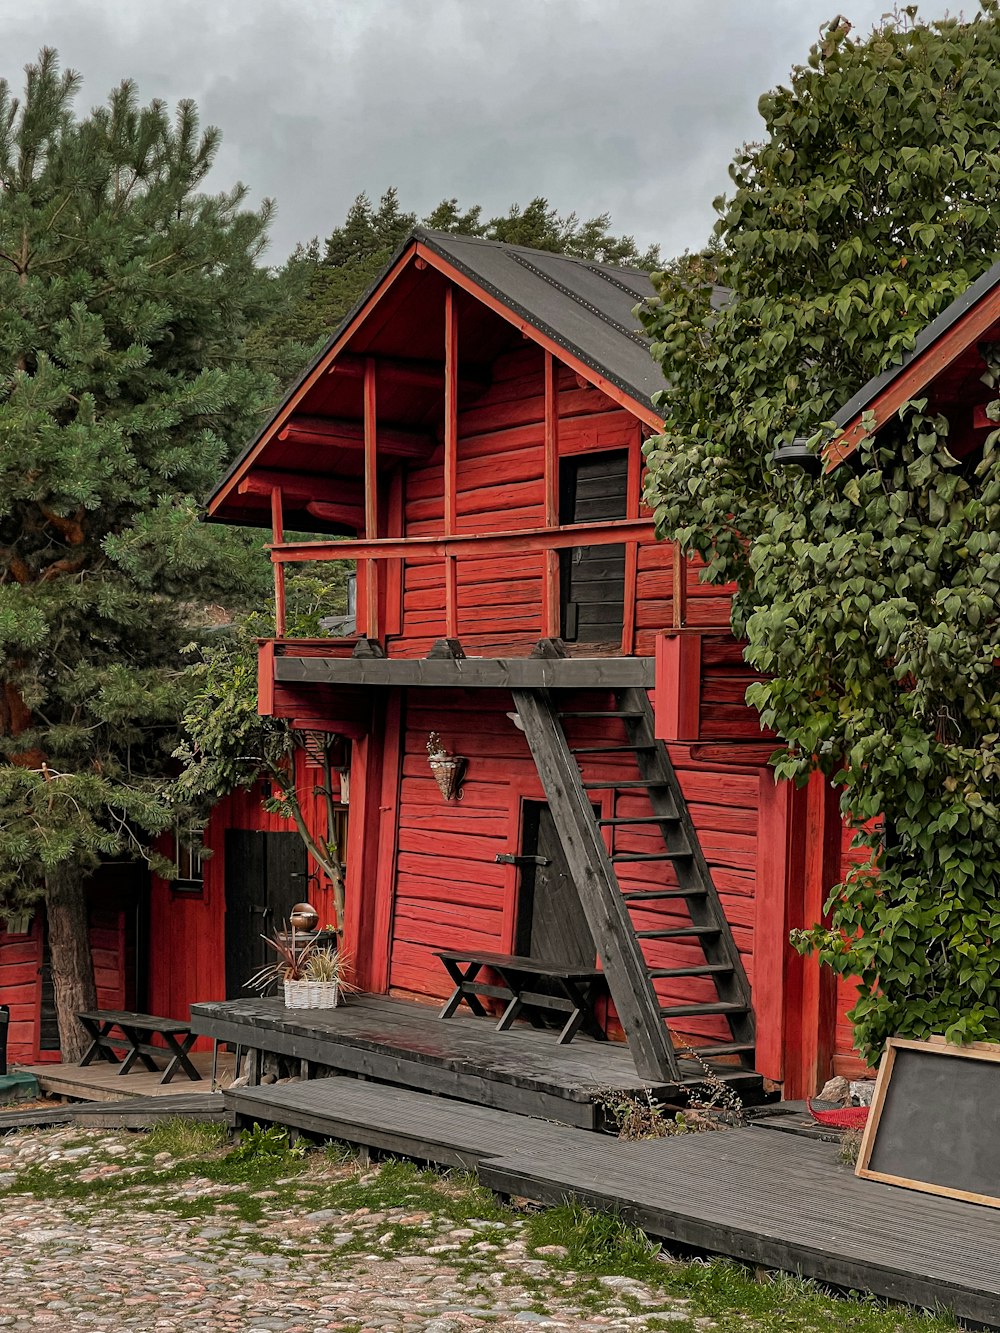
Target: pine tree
column 125, row 296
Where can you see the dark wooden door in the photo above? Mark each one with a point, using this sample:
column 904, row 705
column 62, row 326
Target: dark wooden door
column 593, row 487
column 265, row 875
column 550, row 920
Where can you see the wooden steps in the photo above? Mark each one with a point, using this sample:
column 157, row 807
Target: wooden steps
column 396, row 1041
column 621, row 943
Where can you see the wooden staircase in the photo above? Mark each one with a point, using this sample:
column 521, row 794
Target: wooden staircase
column 645, row 1021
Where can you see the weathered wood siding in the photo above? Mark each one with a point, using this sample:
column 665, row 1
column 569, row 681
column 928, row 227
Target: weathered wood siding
column 500, row 488
column 21, row 961
column 450, row 892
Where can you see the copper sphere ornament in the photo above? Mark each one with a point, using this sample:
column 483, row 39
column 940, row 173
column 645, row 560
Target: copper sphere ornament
column 303, row 916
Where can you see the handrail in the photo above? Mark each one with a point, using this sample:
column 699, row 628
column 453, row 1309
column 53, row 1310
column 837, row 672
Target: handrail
column 533, row 541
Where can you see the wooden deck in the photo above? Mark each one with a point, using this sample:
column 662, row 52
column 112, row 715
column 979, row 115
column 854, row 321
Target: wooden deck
column 760, row 1197
column 101, row 1082
column 524, row 1070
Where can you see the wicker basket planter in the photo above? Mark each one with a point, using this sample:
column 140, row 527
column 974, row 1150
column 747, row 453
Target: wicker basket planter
column 312, row 994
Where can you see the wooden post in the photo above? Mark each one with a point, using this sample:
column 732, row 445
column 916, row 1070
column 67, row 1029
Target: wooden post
column 450, row 597
column 450, row 459
column 680, row 586
column 551, row 609
column 277, row 537
column 370, row 614
column 450, row 412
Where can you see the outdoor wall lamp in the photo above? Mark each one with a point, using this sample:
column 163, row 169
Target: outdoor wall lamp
column 798, row 454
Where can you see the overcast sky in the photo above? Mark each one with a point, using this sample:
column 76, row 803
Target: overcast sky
column 632, row 107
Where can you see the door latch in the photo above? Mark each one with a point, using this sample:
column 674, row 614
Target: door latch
column 509, row 859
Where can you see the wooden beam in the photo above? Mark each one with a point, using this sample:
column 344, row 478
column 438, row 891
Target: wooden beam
column 347, row 516
column 278, row 536
column 450, row 597
column 303, row 487
column 679, row 565
column 678, row 687
column 593, row 875
column 573, row 673
column 392, row 440
column 533, row 541
column 371, row 473
column 551, row 602
column 415, row 371
column 450, row 412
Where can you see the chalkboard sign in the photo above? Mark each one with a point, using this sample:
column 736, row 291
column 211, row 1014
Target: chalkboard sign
column 935, row 1120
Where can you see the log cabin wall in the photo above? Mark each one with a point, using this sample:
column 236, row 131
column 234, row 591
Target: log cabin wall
column 501, row 488
column 32, row 1037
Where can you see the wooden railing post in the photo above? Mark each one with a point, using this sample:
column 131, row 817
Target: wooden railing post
column 450, row 458
column 277, row 537
column 551, row 617
column 370, row 612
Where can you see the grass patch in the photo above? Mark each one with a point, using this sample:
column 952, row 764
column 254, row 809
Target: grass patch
column 738, row 1299
column 184, row 1138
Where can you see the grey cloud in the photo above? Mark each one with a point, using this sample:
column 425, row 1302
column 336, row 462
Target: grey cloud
column 634, row 107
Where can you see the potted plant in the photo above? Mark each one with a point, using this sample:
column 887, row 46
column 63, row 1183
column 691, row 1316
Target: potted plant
column 313, row 975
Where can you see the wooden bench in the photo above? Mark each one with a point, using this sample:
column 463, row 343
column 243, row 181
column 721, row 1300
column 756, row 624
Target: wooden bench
column 137, row 1031
column 576, row 989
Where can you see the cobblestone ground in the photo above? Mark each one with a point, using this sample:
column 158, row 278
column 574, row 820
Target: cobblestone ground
column 116, row 1236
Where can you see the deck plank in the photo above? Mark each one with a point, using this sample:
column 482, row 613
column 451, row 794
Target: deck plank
column 782, row 1202
column 398, row 1120
column 523, row 1071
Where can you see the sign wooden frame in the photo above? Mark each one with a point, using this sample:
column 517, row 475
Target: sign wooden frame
column 977, row 1050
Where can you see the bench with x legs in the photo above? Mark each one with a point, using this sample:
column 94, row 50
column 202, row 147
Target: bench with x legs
column 137, row 1032
column 570, row 990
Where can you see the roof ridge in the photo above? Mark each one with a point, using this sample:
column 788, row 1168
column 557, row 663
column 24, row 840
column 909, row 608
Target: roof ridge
column 435, row 233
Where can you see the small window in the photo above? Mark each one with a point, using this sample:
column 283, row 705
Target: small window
column 188, row 849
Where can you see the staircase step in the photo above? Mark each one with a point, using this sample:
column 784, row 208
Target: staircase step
column 713, row 1007
column 609, row 749
column 678, row 933
column 704, row 970
column 652, row 856
column 629, row 785
column 603, row 712
column 725, row 1048
column 649, row 895
column 638, row 819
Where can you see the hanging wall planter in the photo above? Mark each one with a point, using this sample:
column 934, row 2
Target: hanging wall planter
column 448, row 769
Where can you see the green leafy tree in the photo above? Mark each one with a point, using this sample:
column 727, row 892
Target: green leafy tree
column 869, row 595
column 125, row 297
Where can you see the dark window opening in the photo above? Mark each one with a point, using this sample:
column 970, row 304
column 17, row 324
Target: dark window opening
column 593, row 488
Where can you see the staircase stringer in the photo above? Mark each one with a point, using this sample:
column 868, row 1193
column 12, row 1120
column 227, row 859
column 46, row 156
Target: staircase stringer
column 704, row 906
column 600, row 893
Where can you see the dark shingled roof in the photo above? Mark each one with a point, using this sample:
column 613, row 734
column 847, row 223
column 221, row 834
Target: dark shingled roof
column 581, row 305
column 929, row 335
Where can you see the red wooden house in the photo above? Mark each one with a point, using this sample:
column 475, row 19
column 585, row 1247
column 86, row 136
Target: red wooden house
column 471, row 437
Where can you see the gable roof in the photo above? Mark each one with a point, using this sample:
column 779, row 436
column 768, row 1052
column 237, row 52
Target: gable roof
column 581, row 305
column 966, row 320
column 576, row 305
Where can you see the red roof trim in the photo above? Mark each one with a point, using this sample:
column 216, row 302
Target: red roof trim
column 916, row 375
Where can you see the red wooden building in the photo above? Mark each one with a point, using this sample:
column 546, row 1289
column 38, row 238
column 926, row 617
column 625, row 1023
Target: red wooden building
column 471, row 437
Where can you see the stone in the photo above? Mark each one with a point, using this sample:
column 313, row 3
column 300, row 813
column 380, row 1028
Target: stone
column 553, row 1251
column 836, row 1090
